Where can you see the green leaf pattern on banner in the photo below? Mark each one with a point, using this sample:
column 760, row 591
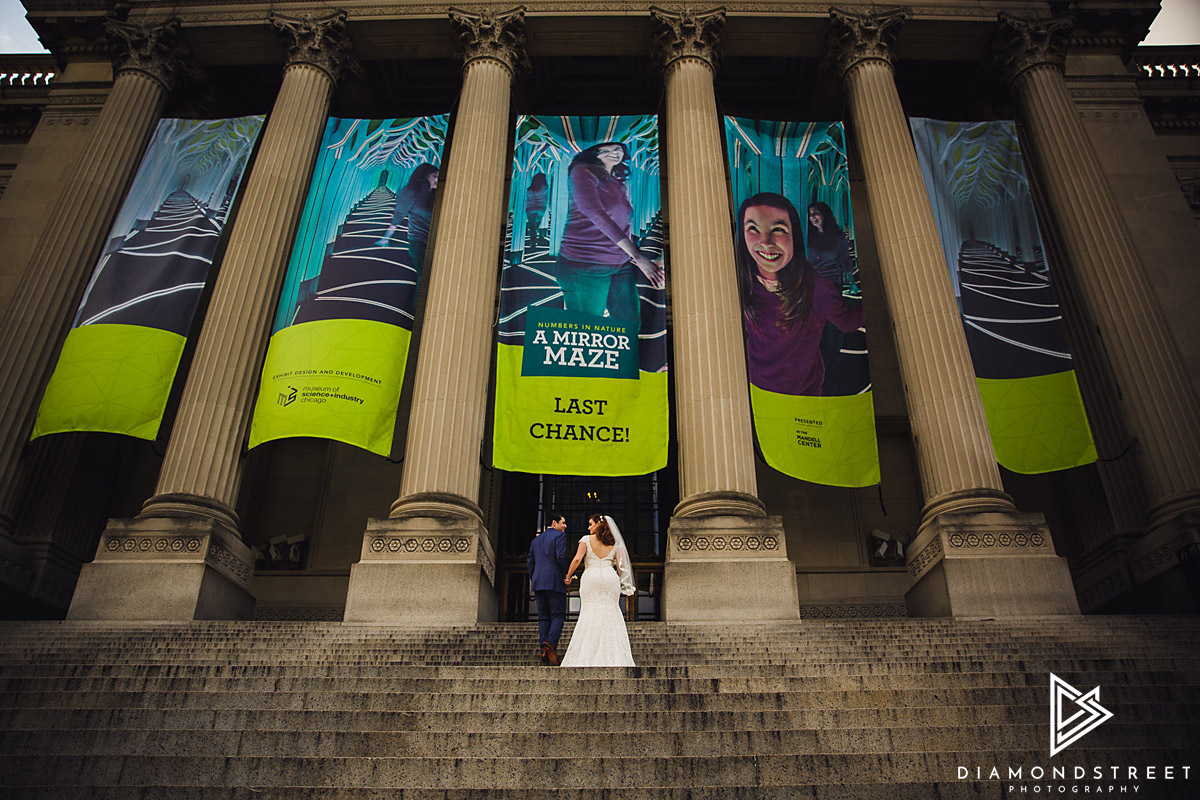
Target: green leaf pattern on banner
column 113, row 379
column 829, row 440
column 625, row 432
column 335, row 379
column 1037, row 424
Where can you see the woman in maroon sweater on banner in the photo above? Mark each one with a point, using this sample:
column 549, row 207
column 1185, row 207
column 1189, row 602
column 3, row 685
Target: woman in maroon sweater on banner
column 597, row 257
column 785, row 304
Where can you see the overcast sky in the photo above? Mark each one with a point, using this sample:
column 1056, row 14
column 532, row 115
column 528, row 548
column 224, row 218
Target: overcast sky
column 1179, row 23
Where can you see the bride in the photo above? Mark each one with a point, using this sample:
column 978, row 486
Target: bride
column 600, row 639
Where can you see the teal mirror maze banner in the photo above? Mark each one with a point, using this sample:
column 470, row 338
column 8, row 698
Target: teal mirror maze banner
column 801, row 299
column 977, row 185
column 339, row 347
column 120, row 358
column 581, row 354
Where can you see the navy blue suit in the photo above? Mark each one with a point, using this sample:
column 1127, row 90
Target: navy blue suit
column 548, row 564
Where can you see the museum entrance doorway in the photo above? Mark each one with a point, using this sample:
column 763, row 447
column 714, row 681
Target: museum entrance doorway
column 639, row 505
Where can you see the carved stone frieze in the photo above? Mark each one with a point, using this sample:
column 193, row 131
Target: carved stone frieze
column 156, row 50
column 227, row 563
column 1103, row 590
column 687, row 34
column 727, row 543
column 853, row 611
column 854, row 38
column 152, row 544
column 925, row 558
column 13, row 573
column 495, row 35
column 1022, row 43
column 1161, row 558
column 419, row 545
column 320, row 41
column 986, row 539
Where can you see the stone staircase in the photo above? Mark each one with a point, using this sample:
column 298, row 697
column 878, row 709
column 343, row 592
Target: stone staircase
column 891, row 709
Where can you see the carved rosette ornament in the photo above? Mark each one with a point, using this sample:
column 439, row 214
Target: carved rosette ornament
column 322, row 42
column 854, row 38
column 497, row 35
column 1022, row 43
column 157, row 50
column 687, row 34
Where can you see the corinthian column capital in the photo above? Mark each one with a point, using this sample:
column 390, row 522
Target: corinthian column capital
column 157, row 50
column 1024, row 43
column 497, row 35
column 322, row 42
column 854, row 38
column 687, row 34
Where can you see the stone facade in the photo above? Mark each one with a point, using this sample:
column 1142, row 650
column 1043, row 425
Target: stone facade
column 1112, row 138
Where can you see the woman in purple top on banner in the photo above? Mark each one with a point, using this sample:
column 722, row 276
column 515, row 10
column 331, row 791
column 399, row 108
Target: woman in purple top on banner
column 597, row 257
column 785, row 304
column 415, row 202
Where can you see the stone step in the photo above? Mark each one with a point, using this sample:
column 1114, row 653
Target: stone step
column 958, row 790
column 563, row 721
column 355, row 669
column 578, row 771
column 509, row 744
column 383, row 655
column 532, row 682
column 612, row 701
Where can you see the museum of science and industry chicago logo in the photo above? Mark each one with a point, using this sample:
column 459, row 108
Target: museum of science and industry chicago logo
column 1073, row 715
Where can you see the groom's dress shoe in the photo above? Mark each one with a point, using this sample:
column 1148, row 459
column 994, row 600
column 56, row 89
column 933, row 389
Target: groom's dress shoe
column 548, row 652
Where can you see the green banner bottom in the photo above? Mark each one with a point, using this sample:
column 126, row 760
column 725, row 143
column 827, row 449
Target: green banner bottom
column 111, row 379
column 828, row 440
column 332, row 379
column 1037, row 424
column 577, row 425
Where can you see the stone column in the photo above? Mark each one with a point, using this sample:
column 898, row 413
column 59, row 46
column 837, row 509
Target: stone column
column 431, row 560
column 726, row 560
column 974, row 554
column 1156, row 400
column 182, row 557
column 65, row 254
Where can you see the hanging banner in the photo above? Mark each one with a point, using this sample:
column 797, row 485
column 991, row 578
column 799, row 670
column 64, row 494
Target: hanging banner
column 806, row 348
column 980, row 195
column 339, row 346
column 581, row 355
column 119, row 359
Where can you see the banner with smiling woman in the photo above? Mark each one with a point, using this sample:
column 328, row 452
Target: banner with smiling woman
column 120, row 358
column 806, row 352
column 581, row 356
column 337, row 356
column 976, row 180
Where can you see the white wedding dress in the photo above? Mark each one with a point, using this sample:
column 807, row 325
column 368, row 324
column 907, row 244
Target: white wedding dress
column 600, row 638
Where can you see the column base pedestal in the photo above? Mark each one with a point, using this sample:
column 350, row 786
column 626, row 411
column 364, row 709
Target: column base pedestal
column 1165, row 565
column 728, row 569
column 988, row 564
column 166, row 569
column 424, row 571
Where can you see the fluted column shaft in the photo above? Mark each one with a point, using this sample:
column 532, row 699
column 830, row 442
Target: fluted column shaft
column 716, row 456
column 954, row 452
column 62, row 260
column 449, row 404
column 201, row 471
column 1157, row 401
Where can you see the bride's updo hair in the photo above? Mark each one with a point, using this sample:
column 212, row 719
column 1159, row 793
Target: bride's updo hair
column 604, row 534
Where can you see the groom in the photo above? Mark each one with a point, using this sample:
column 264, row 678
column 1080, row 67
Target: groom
column 548, row 564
